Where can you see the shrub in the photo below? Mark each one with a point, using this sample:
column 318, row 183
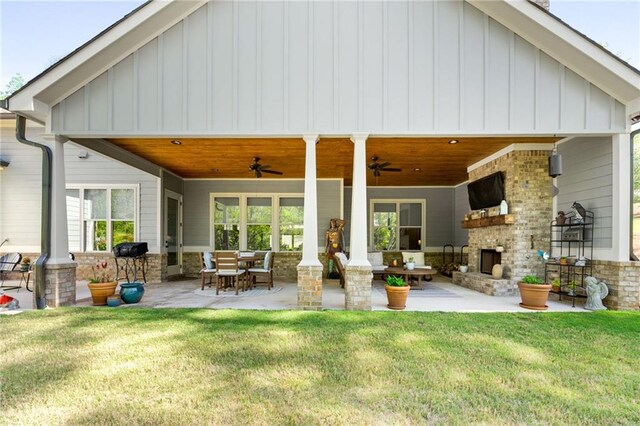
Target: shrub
column 394, row 281
column 531, row 279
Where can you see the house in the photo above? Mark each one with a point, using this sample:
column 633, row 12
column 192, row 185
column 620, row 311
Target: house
column 154, row 124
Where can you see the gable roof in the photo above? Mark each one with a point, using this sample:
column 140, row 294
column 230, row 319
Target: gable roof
column 530, row 21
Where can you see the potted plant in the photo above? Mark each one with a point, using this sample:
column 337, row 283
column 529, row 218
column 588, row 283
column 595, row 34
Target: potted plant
column 555, row 285
column 25, row 264
column 410, row 264
column 499, row 248
column 397, row 292
column 534, row 293
column 572, row 285
column 101, row 285
column 563, row 260
column 463, row 268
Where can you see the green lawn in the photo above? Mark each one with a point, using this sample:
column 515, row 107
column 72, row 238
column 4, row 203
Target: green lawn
column 192, row 366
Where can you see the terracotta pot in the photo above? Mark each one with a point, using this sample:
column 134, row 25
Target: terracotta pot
column 534, row 296
column 100, row 292
column 397, row 296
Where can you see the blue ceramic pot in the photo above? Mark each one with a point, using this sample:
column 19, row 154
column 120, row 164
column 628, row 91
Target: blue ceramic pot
column 131, row 292
column 113, row 301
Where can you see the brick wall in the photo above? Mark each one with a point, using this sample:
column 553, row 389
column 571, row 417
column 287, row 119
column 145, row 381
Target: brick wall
column 528, row 195
column 623, row 280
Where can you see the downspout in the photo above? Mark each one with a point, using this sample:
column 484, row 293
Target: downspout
column 45, row 228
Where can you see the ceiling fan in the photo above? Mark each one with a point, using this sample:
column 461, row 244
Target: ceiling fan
column 258, row 168
column 381, row 167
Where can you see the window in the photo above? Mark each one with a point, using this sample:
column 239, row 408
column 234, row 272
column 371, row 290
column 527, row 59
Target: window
column 291, row 223
column 100, row 218
column 397, row 224
column 257, row 223
column 226, row 223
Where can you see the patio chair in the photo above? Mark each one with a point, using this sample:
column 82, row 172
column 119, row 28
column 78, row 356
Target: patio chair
column 208, row 267
column 8, row 262
column 227, row 268
column 265, row 271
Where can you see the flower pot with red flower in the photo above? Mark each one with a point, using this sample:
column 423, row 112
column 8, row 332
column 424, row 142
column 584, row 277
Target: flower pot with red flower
column 101, row 285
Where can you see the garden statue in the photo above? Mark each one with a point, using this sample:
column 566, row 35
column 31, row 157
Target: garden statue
column 561, row 218
column 596, row 291
column 334, row 236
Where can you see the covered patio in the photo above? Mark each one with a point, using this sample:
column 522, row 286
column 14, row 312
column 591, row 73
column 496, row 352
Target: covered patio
column 440, row 295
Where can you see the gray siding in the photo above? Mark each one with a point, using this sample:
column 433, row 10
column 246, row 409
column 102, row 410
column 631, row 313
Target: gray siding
column 432, row 67
column 587, row 178
column 197, row 202
column 172, row 183
column 461, row 203
column 440, row 209
column 20, row 188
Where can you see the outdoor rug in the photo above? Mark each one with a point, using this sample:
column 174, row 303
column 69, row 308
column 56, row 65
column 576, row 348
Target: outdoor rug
column 429, row 291
column 261, row 291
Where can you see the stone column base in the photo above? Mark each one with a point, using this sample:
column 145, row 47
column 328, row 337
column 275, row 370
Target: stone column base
column 357, row 287
column 623, row 279
column 60, row 284
column 310, row 287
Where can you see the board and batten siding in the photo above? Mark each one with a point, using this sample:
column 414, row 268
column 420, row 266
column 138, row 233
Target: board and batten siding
column 439, row 205
column 21, row 186
column 588, row 179
column 197, row 198
column 280, row 68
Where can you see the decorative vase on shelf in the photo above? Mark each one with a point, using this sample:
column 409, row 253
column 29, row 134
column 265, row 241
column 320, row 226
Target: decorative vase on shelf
column 411, row 266
column 496, row 271
column 131, row 292
column 504, row 209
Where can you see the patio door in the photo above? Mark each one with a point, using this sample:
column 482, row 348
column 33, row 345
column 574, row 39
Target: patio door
column 173, row 232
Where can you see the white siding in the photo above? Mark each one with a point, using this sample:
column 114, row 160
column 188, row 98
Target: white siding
column 21, row 183
column 398, row 67
column 588, row 179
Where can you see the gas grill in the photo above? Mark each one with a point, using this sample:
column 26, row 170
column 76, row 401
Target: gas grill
column 131, row 258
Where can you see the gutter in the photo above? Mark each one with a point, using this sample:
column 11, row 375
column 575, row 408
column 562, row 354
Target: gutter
column 45, row 229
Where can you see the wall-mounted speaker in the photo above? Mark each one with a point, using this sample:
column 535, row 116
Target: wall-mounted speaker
column 555, row 165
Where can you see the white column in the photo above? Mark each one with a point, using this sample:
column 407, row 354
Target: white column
column 59, row 234
column 310, row 236
column 358, row 235
column 621, row 222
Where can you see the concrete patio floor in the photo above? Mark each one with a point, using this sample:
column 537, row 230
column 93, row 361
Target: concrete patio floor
column 439, row 295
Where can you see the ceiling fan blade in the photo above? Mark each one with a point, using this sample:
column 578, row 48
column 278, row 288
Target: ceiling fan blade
column 391, row 169
column 273, row 172
column 263, row 166
column 372, row 166
column 383, row 165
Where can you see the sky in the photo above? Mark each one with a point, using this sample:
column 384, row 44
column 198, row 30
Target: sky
column 35, row 34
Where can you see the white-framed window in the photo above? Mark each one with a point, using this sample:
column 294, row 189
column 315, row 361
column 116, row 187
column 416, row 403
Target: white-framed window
column 257, row 222
column 100, row 216
column 397, row 224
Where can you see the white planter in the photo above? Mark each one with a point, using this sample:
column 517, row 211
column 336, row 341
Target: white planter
column 499, row 249
column 463, row 268
column 411, row 266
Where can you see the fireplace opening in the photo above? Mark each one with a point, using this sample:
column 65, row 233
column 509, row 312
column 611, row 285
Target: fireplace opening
column 488, row 258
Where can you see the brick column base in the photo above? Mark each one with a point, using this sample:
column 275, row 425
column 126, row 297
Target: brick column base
column 357, row 288
column 60, row 284
column 623, row 279
column 310, row 288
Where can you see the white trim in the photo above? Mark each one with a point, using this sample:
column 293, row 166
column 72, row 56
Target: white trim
column 160, row 213
column 621, row 200
column 511, row 148
column 460, row 184
column 397, row 202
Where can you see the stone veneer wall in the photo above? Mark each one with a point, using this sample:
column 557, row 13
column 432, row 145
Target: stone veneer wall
column 486, row 284
column 528, row 195
column 60, row 284
column 623, row 280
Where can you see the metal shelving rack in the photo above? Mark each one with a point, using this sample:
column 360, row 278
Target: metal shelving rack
column 571, row 240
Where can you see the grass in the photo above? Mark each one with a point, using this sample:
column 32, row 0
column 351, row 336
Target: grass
column 192, row 366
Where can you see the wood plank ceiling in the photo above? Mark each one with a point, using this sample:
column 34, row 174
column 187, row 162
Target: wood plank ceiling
column 424, row 161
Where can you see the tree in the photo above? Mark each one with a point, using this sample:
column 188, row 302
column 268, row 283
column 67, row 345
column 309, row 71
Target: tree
column 16, row 82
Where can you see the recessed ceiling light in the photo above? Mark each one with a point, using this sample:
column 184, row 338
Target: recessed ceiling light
column 417, row 169
column 215, row 170
column 453, row 141
column 176, row 142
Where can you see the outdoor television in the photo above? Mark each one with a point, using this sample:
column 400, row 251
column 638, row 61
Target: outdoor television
column 486, row 192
